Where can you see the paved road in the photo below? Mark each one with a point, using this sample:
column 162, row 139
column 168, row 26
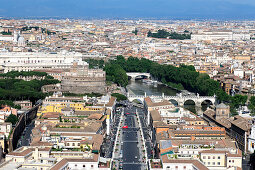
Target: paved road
column 26, row 136
column 131, row 154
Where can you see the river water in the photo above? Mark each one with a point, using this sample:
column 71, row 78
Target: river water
column 137, row 87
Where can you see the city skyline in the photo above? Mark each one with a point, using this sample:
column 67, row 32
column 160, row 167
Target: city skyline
column 181, row 9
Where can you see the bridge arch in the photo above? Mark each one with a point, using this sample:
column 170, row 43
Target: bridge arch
column 134, row 75
column 207, row 101
column 189, row 101
column 138, row 101
column 141, row 77
column 174, row 102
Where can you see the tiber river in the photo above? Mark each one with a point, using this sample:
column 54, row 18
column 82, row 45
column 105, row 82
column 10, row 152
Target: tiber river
column 137, row 87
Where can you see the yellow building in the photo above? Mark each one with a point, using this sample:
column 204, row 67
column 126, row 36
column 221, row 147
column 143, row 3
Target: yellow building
column 59, row 107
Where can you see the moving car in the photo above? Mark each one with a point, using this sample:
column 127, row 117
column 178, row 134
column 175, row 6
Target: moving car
column 124, row 127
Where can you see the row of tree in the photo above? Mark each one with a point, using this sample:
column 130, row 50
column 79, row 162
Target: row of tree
column 17, row 89
column 9, row 103
column 14, row 74
column 171, row 35
column 6, row 33
column 93, row 64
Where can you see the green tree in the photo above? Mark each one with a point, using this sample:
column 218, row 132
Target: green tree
column 251, row 105
column 119, row 96
column 117, row 74
column 149, row 34
column 135, row 31
column 12, row 118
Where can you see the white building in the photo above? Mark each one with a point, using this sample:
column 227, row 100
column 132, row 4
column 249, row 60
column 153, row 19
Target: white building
column 239, row 73
column 224, row 35
column 20, row 61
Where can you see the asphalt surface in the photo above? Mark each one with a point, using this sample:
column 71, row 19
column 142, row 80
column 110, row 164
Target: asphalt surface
column 25, row 139
column 131, row 154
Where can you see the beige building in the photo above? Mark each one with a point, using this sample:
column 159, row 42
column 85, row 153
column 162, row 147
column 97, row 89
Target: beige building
column 222, row 111
column 79, row 79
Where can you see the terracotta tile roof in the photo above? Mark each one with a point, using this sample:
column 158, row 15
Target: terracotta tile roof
column 22, row 153
column 96, row 116
column 213, row 151
column 155, row 115
column 198, row 131
column 150, row 103
column 97, row 141
column 60, row 164
column 242, row 123
column 160, row 124
column 223, row 121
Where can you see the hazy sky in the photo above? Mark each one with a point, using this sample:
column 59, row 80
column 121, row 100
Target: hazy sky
column 219, row 9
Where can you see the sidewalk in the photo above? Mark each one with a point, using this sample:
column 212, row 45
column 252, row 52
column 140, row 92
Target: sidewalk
column 117, row 144
column 141, row 143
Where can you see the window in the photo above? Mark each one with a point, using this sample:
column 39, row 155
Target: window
column 208, row 163
column 218, row 163
column 209, row 157
column 73, row 144
column 213, row 163
column 218, row 157
column 91, row 166
column 233, row 161
column 204, row 157
column 229, row 161
column 184, row 167
column 213, row 157
column 84, row 166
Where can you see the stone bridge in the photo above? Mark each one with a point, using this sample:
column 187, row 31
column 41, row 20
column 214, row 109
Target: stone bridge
column 134, row 75
column 179, row 99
